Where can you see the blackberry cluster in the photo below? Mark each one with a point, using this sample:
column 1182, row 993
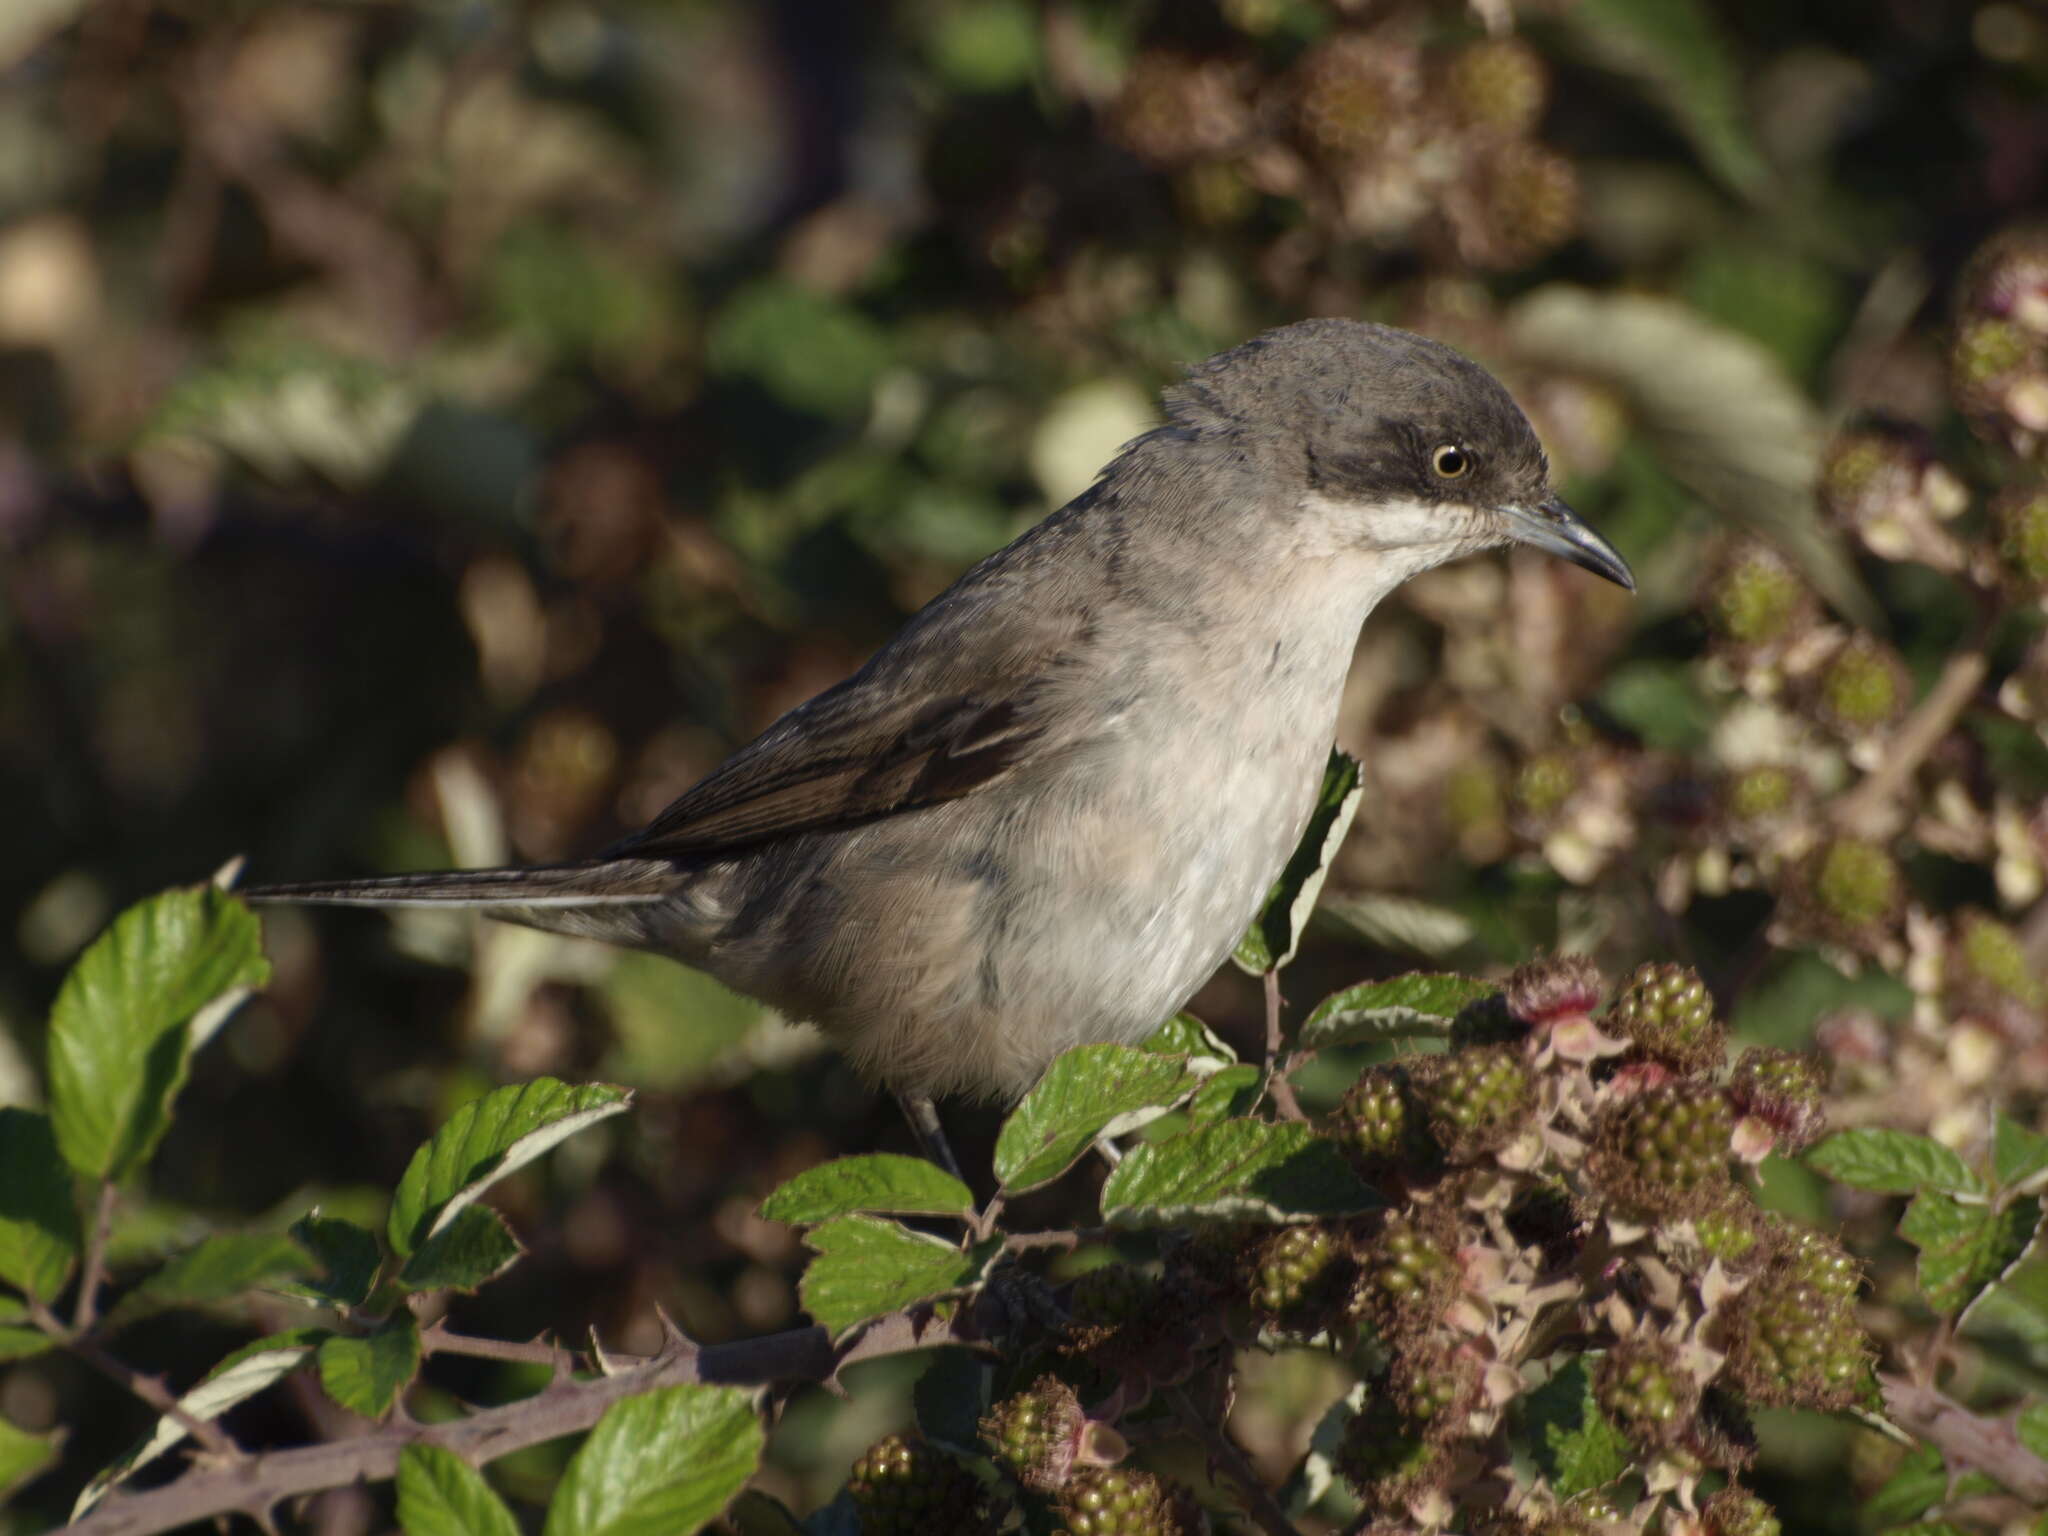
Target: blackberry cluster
column 1645, row 1393
column 1783, row 1090
column 1035, row 1434
column 1544, row 992
column 1666, row 1012
column 1388, row 1460
column 1475, row 1099
column 1756, row 602
column 1665, row 1151
column 1294, row 1283
column 1408, row 1272
column 1795, row 1342
column 1432, row 1381
column 905, row 1487
column 1122, row 1501
column 1735, row 1511
column 1373, row 1122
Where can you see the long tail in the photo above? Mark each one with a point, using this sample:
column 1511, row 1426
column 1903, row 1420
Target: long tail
column 598, row 882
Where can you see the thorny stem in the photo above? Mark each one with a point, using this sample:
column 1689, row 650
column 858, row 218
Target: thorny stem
column 148, row 1389
column 1966, row 1439
column 1223, row 1453
column 86, row 1312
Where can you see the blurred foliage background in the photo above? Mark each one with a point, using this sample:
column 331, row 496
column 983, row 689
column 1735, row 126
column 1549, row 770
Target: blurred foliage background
column 439, row 431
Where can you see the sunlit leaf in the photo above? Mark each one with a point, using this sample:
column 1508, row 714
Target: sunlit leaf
column 1252, row 1170
column 1089, row 1091
column 440, row 1494
column 365, row 1373
column 866, row 1268
column 879, row 1181
column 661, row 1464
column 39, row 1232
column 1275, row 933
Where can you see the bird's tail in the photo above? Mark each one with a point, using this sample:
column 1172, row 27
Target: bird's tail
column 597, row 882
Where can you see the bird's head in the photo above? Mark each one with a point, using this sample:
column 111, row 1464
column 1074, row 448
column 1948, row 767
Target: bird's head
column 1389, row 441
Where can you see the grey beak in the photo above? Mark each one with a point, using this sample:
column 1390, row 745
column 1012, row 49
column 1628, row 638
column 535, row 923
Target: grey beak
column 1555, row 528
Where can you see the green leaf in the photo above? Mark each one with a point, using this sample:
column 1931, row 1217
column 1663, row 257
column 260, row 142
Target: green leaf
column 867, row 1267
column 1271, row 940
column 1232, row 1092
column 1675, row 53
column 1661, row 702
column 1186, row 1035
column 1420, row 1003
column 1236, row 1170
column 472, row 1250
column 217, row 1269
column 810, row 351
column 236, row 1379
column 365, row 1373
column 39, row 1232
column 1892, row 1163
column 1576, row 1448
column 1919, row 1482
column 440, row 1494
column 141, row 998
column 878, row 1181
column 483, row 1142
column 1089, row 1091
column 2017, row 1154
column 23, row 1456
column 662, row 1464
column 348, row 1257
column 1964, row 1248
column 18, row 1340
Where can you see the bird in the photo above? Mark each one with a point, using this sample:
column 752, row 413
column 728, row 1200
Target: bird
column 1046, row 810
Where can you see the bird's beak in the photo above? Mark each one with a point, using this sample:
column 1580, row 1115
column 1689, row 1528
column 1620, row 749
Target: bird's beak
column 1555, row 528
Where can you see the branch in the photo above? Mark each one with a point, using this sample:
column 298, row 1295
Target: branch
column 150, row 1389
column 257, row 1484
column 1966, row 1439
column 1276, row 1062
column 95, row 1273
column 1864, row 810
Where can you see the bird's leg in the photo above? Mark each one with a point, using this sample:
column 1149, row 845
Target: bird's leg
column 923, row 1116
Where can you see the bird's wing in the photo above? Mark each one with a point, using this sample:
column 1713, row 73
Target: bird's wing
column 966, row 705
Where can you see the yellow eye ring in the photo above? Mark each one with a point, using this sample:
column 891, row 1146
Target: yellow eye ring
column 1451, row 462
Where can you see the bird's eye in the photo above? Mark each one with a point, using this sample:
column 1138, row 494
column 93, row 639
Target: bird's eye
column 1451, row 462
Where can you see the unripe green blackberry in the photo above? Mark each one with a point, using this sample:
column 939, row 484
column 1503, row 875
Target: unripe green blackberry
column 1865, row 476
column 1645, row 1392
column 1812, row 1258
column 1497, row 85
column 1374, row 1122
column 1476, row 1098
column 1522, row 201
column 1352, row 93
column 1665, row 1151
column 1855, row 890
column 1293, row 1267
column 1407, row 1273
column 1122, row 1501
column 1433, row 1381
column 1863, row 687
column 1735, row 1511
column 1548, row 990
column 1543, row 784
column 1387, row 1460
column 1730, row 1229
column 1987, row 970
column 1784, row 1090
column 904, row 1487
column 2022, row 523
column 1987, row 351
column 1756, row 600
column 1666, row 1012
column 1037, row 1433
column 1760, row 793
column 1792, row 1344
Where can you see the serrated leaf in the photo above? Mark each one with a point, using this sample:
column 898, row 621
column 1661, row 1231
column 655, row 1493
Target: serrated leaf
column 1275, row 933
column 1576, row 1448
column 1089, row 1091
column 1422, row 1003
column 365, row 1373
column 39, row 1232
column 1236, row 1170
column 1917, row 1484
column 950, row 1397
column 236, row 1379
column 662, row 1464
column 348, row 1257
column 440, row 1494
column 483, row 1142
column 23, row 1456
column 1232, row 1092
column 1892, row 1163
column 141, row 998
column 866, row 1268
column 878, row 1181
column 469, row 1252
column 2017, row 1154
column 217, row 1269
column 1186, row 1035
column 1964, row 1248
column 1675, row 52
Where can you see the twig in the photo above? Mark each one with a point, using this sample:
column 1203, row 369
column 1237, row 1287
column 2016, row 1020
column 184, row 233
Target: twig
column 149, row 1389
column 1276, row 1065
column 257, row 1484
column 1222, row 1452
column 1966, row 1439
column 86, row 1312
column 1864, row 810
